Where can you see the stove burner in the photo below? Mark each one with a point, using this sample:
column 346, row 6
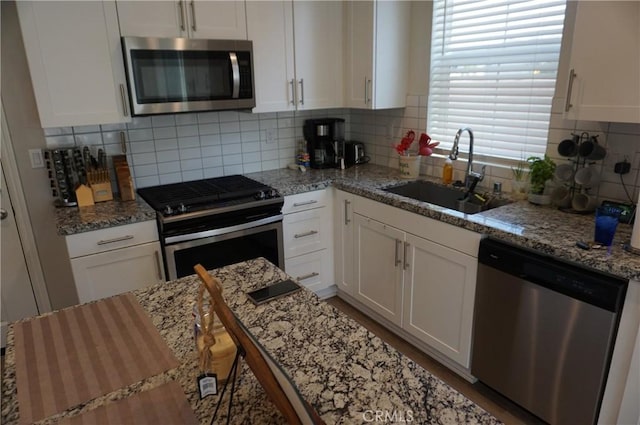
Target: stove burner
column 180, row 198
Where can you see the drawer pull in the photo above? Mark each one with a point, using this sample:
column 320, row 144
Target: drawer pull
column 301, row 204
column 305, row 234
column 346, row 212
column 120, row 239
column 308, row 276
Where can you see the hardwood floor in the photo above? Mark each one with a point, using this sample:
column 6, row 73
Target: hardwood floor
column 498, row 406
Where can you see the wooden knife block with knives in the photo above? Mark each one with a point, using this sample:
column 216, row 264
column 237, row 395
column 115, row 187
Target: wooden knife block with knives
column 123, row 176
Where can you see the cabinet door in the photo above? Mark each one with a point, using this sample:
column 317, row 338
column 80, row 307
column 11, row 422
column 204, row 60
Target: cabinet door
column 270, row 27
column 360, row 35
column 152, row 18
column 605, row 56
column 113, row 272
column 438, row 298
column 318, row 53
column 378, row 267
column 217, row 19
column 75, row 60
column 343, row 239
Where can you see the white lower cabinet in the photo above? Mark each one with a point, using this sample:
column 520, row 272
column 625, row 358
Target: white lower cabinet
column 378, row 266
column 115, row 260
column 114, row 272
column 439, row 292
column 308, row 240
column 412, row 273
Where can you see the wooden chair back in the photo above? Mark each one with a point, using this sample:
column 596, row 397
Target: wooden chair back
column 295, row 409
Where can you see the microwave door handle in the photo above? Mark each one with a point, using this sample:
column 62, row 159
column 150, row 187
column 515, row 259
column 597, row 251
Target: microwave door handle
column 236, row 75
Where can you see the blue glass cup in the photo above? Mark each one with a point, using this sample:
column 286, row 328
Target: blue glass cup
column 606, row 223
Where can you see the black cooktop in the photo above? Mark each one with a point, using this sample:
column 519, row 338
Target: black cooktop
column 202, row 192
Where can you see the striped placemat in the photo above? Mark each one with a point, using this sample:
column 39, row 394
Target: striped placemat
column 165, row 404
column 78, row 354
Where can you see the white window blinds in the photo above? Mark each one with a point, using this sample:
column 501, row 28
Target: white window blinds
column 493, row 69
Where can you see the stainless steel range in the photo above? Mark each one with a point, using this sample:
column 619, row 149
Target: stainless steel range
column 216, row 222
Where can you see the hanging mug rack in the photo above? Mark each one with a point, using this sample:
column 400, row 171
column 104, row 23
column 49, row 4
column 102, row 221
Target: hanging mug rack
column 582, row 151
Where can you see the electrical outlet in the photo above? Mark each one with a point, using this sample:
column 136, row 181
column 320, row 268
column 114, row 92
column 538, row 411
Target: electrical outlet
column 36, row 158
column 622, row 167
column 271, row 135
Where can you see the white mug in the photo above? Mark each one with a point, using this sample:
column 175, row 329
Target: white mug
column 583, row 202
column 561, row 197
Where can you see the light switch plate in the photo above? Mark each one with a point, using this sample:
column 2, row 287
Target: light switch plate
column 35, row 156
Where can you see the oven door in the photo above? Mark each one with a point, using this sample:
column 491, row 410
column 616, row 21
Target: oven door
column 226, row 246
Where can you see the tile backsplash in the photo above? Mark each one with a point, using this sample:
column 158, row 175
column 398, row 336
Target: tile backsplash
column 166, row 149
column 172, row 148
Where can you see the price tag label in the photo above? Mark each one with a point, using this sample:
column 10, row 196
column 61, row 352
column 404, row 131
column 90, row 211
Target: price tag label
column 207, row 385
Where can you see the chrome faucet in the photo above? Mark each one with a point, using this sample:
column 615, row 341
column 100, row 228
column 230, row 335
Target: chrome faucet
column 470, row 174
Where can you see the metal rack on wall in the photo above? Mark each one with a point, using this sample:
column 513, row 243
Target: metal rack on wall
column 582, row 151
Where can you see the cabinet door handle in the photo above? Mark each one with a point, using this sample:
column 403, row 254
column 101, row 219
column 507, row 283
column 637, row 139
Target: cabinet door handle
column 368, row 99
column 123, row 142
column 406, row 264
column 193, row 14
column 181, row 14
column 120, row 239
column 158, row 265
column 398, row 261
column 568, row 105
column 308, row 276
column 346, row 212
column 365, row 89
column 125, row 110
column 292, row 83
column 300, row 204
column 301, row 91
column 305, row 234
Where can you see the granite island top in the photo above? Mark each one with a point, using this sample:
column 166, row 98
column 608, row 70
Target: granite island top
column 544, row 229
column 344, row 371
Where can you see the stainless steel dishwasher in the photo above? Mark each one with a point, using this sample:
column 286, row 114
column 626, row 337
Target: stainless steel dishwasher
column 544, row 331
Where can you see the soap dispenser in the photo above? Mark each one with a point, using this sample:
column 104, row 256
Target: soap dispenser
column 447, row 171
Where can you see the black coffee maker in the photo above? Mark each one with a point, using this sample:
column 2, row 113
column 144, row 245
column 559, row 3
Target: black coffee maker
column 325, row 142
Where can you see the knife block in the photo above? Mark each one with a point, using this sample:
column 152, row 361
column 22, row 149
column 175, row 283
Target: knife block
column 100, row 185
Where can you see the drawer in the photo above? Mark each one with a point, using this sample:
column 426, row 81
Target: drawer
column 112, row 238
column 305, row 232
column 304, row 201
column 311, row 270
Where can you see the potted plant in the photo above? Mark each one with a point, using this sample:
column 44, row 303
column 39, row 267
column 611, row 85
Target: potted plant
column 519, row 183
column 541, row 170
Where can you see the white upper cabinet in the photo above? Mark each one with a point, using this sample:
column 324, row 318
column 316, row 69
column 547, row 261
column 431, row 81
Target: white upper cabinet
column 377, row 53
column 318, row 53
column 75, row 61
column 604, row 80
column 300, row 75
column 270, row 27
column 188, row 19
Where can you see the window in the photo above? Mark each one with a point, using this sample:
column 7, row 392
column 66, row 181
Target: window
column 493, row 69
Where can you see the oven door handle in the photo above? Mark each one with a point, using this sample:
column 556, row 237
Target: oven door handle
column 224, row 230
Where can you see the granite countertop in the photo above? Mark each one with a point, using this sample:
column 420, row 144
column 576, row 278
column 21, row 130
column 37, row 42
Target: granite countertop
column 340, row 368
column 70, row 221
column 544, row 229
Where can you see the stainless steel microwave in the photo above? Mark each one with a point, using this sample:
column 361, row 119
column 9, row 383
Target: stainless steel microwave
column 171, row 75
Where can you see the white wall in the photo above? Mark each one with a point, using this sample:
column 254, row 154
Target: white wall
column 26, row 133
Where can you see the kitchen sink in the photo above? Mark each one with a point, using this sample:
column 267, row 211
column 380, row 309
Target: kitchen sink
column 444, row 196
